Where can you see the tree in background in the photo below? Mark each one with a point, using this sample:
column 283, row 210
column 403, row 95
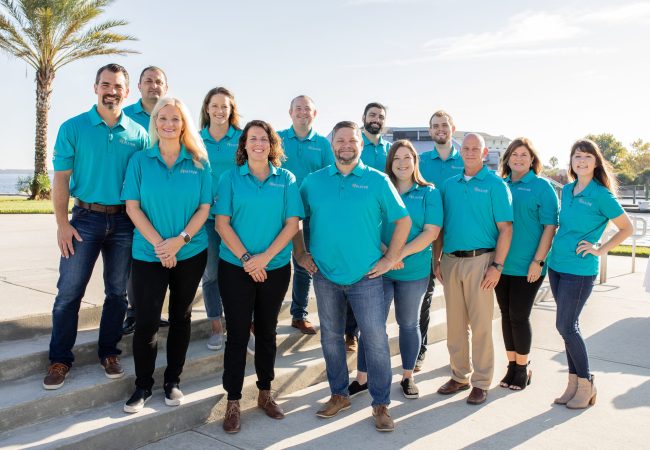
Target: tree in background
column 636, row 164
column 613, row 150
column 48, row 34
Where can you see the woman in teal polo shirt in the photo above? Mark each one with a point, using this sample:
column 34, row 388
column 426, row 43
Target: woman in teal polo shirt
column 407, row 282
column 220, row 132
column 168, row 192
column 257, row 210
column 588, row 204
column 535, row 209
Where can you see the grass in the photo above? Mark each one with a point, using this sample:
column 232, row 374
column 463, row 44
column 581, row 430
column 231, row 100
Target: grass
column 626, row 250
column 15, row 204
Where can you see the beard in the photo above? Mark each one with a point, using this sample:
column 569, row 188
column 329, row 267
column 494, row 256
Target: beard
column 346, row 161
column 442, row 141
column 115, row 104
column 372, row 128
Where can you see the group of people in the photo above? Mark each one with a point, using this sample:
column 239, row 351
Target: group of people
column 367, row 222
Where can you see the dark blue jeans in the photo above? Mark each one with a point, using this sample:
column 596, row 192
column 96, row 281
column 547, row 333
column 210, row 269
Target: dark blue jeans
column 571, row 293
column 301, row 282
column 108, row 234
column 210, row 283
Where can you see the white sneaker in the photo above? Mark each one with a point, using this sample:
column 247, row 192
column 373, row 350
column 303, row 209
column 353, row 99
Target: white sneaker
column 250, row 348
column 215, row 342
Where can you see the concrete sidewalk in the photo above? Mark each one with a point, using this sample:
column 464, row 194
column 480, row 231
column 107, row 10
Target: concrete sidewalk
column 616, row 324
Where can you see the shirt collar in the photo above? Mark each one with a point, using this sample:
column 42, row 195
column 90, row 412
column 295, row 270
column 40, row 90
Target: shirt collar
column 530, row 175
column 380, row 143
column 415, row 187
column 205, row 134
column 154, row 152
column 138, row 109
column 480, row 175
column 291, row 133
column 245, row 170
column 358, row 170
column 96, row 119
column 593, row 184
column 453, row 154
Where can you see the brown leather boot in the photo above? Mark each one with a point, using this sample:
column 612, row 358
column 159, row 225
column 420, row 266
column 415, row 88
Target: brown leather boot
column 585, row 395
column 383, row 420
column 569, row 392
column 266, row 402
column 231, row 420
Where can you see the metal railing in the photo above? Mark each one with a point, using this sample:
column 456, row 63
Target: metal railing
column 640, row 226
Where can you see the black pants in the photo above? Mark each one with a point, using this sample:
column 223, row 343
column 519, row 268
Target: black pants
column 150, row 282
column 242, row 299
column 516, row 297
column 424, row 313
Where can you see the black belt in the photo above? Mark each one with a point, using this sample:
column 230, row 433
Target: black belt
column 108, row 209
column 471, row 253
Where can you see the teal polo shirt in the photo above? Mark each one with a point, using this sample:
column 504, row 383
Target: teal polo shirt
column 534, row 205
column 136, row 112
column 472, row 209
column 583, row 217
column 375, row 155
column 221, row 154
column 169, row 197
column 424, row 205
column 97, row 155
column 307, row 155
column 436, row 170
column 258, row 210
column 345, row 219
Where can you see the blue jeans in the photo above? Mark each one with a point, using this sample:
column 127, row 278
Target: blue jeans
column 408, row 297
column 210, row 284
column 571, row 293
column 301, row 282
column 366, row 297
column 108, row 234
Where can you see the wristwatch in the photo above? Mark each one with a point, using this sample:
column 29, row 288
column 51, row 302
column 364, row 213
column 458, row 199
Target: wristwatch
column 186, row 237
column 245, row 257
column 540, row 262
column 497, row 266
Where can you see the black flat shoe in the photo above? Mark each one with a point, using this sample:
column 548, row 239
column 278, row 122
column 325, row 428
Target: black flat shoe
column 522, row 377
column 507, row 380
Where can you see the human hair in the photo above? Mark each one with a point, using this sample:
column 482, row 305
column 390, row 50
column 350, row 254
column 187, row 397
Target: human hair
column 204, row 118
column 190, row 138
column 535, row 165
column 346, row 124
column 603, row 173
column 373, row 105
column 115, row 68
column 304, row 97
column 152, row 68
column 417, row 176
column 442, row 113
column 276, row 154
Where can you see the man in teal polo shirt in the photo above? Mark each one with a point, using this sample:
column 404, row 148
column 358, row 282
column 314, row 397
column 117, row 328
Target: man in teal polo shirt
column 477, row 231
column 152, row 85
column 375, row 147
column 436, row 166
column 347, row 203
column 306, row 152
column 91, row 154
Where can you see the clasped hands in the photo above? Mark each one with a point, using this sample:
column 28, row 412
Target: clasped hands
column 166, row 251
column 256, row 267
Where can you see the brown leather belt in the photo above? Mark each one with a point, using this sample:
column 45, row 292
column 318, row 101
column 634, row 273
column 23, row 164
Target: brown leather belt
column 471, row 253
column 107, row 209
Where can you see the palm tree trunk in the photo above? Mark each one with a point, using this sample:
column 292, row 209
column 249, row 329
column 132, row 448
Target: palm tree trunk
column 40, row 182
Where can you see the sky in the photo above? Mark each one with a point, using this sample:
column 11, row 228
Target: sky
column 552, row 71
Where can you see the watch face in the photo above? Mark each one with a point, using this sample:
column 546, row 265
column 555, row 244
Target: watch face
column 187, row 238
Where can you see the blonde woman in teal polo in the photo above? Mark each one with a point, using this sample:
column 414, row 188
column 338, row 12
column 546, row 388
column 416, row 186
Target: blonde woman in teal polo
column 588, row 204
column 220, row 131
column 535, row 209
column 168, row 192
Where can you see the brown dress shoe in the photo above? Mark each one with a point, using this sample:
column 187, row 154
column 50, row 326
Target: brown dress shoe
column 112, row 367
column 452, row 386
column 266, row 402
column 351, row 344
column 231, row 420
column 334, row 405
column 383, row 420
column 56, row 373
column 477, row 396
column 304, row 326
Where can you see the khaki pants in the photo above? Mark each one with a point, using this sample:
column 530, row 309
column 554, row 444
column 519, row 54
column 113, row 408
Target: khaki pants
column 469, row 306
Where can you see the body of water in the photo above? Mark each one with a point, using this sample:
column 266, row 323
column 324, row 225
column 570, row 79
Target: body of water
column 8, row 180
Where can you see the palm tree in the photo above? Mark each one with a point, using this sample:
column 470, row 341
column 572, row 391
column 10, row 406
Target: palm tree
column 48, row 34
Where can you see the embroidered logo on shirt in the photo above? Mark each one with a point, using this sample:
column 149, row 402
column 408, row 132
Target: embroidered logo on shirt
column 457, row 167
column 129, row 143
column 416, row 197
column 275, row 184
column 524, row 189
column 485, row 191
column 584, row 202
column 359, row 186
column 190, row 171
column 309, row 147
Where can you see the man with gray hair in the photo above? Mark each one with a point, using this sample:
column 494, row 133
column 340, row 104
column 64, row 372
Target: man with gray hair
column 477, row 231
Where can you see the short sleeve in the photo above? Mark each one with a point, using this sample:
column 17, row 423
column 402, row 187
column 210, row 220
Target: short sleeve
column 326, row 153
column 433, row 214
column 206, row 184
column 391, row 203
column 64, row 147
column 609, row 206
column 501, row 202
column 548, row 205
column 293, row 203
column 223, row 199
column 132, row 179
column 304, row 196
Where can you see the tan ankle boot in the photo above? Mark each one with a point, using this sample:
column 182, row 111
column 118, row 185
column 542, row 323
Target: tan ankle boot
column 231, row 420
column 266, row 402
column 570, row 390
column 585, row 395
